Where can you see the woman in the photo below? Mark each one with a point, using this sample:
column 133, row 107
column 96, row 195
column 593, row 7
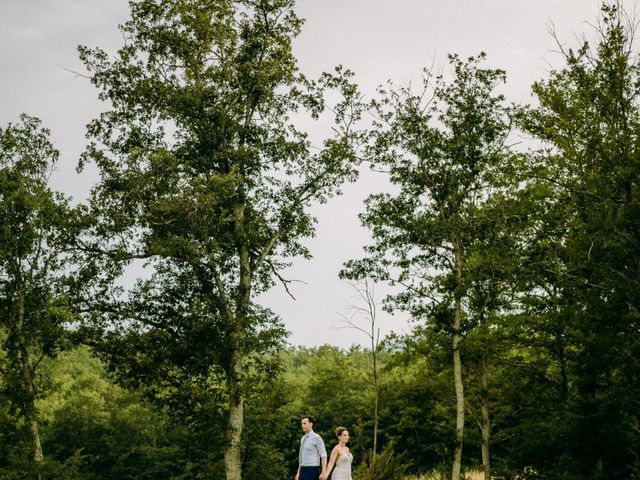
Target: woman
column 341, row 457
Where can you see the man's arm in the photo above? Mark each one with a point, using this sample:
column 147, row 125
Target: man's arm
column 324, row 473
column 322, row 451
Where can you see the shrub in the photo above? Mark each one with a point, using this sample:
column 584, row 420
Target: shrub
column 389, row 465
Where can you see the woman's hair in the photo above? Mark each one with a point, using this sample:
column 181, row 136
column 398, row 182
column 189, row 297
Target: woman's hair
column 340, row 431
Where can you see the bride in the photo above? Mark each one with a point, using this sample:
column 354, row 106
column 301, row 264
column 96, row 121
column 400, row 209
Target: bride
column 341, row 457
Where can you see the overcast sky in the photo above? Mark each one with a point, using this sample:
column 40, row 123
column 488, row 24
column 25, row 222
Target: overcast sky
column 378, row 39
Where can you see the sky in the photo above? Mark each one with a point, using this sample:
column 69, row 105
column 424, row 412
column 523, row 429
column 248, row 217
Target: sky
column 379, row 40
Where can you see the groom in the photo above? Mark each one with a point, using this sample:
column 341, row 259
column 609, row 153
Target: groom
column 312, row 453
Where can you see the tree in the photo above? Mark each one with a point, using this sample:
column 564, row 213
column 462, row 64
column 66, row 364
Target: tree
column 589, row 122
column 444, row 148
column 35, row 235
column 109, row 431
column 367, row 309
column 206, row 178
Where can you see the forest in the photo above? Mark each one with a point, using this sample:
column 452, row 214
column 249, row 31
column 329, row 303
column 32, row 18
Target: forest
column 135, row 345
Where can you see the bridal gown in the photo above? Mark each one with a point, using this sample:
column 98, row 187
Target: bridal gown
column 342, row 470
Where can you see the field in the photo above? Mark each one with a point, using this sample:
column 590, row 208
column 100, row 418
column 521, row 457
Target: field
column 471, row 475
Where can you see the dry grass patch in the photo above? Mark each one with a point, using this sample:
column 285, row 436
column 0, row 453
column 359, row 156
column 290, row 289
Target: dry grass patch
column 470, row 475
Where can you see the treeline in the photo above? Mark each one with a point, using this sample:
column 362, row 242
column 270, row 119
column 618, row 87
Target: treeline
column 520, row 265
column 95, row 429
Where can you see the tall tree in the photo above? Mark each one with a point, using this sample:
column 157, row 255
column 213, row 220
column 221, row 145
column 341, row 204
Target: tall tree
column 205, row 175
column 493, row 269
column 35, row 227
column 443, row 147
column 363, row 316
column 589, row 120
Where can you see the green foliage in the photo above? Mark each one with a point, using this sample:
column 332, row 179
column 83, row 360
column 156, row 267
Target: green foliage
column 107, row 431
column 205, row 176
column 48, row 469
column 418, row 413
column 527, row 261
column 333, row 386
column 268, row 427
column 444, row 236
column 589, row 121
column 389, row 465
column 37, row 228
column 33, row 237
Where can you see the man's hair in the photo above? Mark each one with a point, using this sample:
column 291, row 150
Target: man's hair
column 310, row 418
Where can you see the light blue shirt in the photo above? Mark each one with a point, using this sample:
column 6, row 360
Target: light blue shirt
column 312, row 449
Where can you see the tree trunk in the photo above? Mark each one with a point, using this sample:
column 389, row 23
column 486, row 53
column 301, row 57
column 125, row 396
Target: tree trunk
column 376, row 399
column 457, row 367
column 233, row 450
column 38, row 456
column 486, row 420
column 457, row 378
column 28, row 405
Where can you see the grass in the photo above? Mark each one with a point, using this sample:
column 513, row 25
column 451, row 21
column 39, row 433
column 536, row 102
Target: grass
column 470, row 475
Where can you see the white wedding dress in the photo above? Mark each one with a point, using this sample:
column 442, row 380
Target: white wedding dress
column 342, row 470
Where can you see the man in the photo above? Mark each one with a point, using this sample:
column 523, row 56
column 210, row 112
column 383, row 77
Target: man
column 312, row 453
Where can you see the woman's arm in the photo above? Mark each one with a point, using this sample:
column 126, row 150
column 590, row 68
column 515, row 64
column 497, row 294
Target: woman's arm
column 332, row 460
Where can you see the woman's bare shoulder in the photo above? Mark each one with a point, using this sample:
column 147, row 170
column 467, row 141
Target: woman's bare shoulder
column 340, row 451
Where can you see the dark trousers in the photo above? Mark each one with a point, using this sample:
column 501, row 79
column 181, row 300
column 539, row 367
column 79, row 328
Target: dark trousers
column 309, row 473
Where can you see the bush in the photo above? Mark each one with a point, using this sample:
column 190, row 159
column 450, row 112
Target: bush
column 389, row 465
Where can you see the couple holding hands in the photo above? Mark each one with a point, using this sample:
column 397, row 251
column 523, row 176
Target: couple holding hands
column 312, row 459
